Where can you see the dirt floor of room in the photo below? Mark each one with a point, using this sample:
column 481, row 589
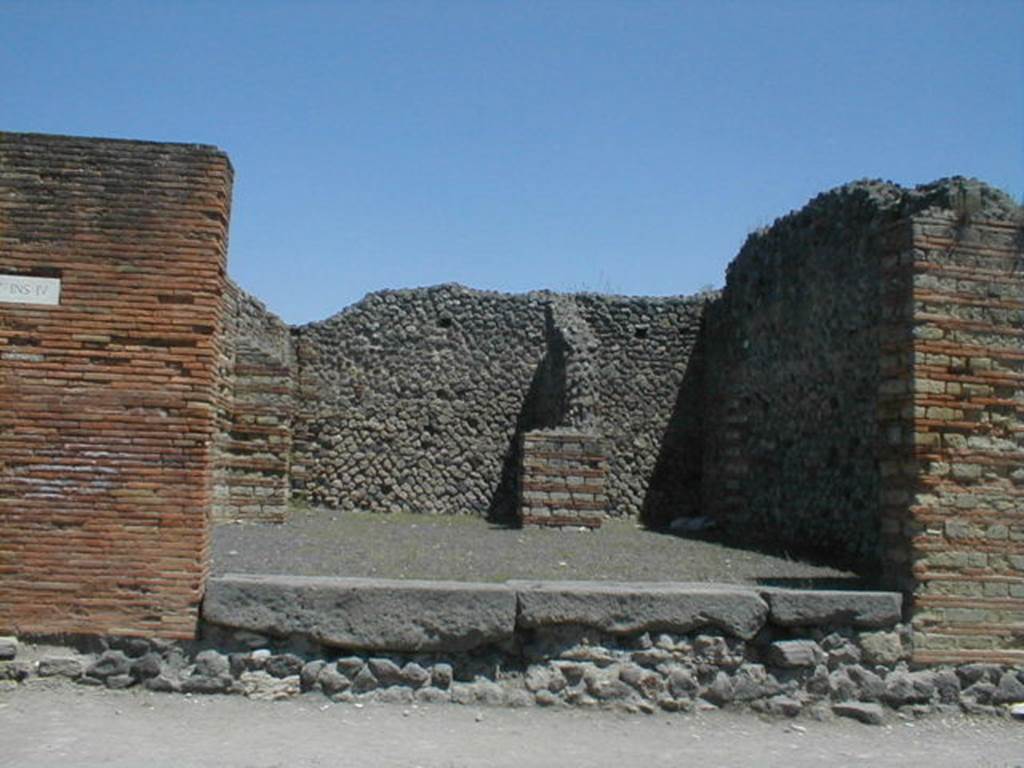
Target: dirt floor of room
column 323, row 542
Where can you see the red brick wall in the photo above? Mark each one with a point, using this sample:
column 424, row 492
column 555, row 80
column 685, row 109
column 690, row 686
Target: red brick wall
column 109, row 400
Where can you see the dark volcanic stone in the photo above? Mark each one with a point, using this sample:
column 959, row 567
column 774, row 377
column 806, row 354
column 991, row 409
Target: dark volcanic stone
column 284, row 665
column 110, row 663
column 146, row 667
column 212, row 664
column 865, row 712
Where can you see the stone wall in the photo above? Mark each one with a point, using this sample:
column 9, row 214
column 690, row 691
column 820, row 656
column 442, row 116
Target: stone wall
column 253, row 451
column 409, row 400
column 649, row 407
column 792, row 379
column 793, row 366
column 416, row 399
column 864, row 398
column 574, row 368
column 109, row 396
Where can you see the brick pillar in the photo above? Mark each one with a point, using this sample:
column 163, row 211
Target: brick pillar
column 254, row 455
column 110, row 394
column 562, row 478
column 966, row 430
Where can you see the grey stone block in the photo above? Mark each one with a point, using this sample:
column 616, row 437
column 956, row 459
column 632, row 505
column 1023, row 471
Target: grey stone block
column 795, row 653
column 119, row 682
column 947, row 685
column 881, row 647
column 8, row 648
column 840, row 686
column 365, row 614
column 310, row 672
column 132, row 646
column 364, row 681
column 162, row 683
column 200, row 684
column 210, row 663
column 1010, row 689
column 350, row 666
column 641, row 607
column 386, row 671
column 871, row 714
column 441, row 676
column 110, row 664
column 804, row 608
column 979, row 693
column 284, row 665
column 332, row 681
column 784, row 705
column 15, row 670
column 60, row 666
column 681, row 682
column 146, row 667
column 415, row 675
column 841, row 650
column 870, row 686
column 239, row 663
column 970, row 674
column 752, row 682
column 719, row 692
column 908, row 688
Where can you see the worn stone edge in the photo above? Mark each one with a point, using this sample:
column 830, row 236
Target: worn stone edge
column 860, row 609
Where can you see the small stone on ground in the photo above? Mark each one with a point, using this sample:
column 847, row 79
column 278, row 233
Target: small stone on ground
column 865, row 712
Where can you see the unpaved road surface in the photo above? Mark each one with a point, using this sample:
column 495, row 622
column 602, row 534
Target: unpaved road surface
column 71, row 726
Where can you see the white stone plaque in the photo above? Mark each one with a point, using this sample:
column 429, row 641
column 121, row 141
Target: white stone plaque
column 20, row 289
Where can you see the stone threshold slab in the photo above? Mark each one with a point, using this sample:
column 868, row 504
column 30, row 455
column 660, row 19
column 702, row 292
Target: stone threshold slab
column 365, row 614
column 433, row 616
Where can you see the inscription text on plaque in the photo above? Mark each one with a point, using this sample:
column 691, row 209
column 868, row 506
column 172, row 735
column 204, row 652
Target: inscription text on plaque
column 21, row 289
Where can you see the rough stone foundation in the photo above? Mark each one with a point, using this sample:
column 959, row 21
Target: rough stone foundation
column 673, row 648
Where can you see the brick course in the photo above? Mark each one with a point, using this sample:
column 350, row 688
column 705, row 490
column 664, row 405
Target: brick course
column 109, row 399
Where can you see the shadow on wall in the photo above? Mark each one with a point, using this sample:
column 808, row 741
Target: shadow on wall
column 543, row 408
column 674, row 489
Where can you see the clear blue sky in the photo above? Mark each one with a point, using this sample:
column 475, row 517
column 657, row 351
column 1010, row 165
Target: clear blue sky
column 625, row 147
